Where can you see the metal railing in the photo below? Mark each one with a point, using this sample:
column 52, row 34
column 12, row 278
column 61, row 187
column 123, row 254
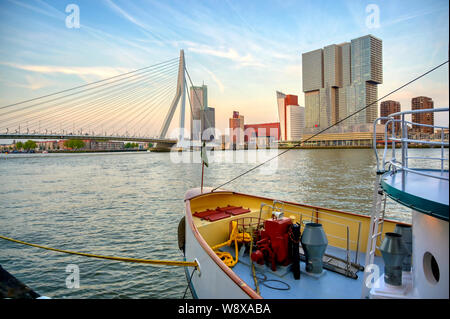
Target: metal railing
column 403, row 139
column 347, row 226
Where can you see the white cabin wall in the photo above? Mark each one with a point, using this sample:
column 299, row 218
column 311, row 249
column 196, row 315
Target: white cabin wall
column 430, row 235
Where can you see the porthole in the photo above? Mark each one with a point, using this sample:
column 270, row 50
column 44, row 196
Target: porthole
column 431, row 268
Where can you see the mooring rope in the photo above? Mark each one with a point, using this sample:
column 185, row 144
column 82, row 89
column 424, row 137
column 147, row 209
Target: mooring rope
column 124, row 259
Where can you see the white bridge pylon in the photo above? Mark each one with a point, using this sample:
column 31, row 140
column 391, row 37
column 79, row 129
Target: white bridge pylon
column 180, row 93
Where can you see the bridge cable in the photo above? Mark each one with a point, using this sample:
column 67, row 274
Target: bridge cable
column 77, row 111
column 150, row 111
column 137, row 94
column 62, row 97
column 98, row 100
column 54, row 112
column 84, row 85
column 340, row 121
column 99, row 114
column 154, row 94
column 135, row 76
column 165, row 92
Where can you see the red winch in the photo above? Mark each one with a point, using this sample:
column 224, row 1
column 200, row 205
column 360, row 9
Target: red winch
column 273, row 243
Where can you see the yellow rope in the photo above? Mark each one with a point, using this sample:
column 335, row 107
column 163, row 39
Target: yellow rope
column 235, row 237
column 132, row 260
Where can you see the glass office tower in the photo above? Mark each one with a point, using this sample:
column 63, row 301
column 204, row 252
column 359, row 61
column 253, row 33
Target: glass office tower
column 341, row 79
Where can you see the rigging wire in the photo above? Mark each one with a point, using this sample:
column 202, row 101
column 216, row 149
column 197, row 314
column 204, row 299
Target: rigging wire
column 325, row 129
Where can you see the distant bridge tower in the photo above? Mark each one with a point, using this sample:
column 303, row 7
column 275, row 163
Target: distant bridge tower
column 181, row 93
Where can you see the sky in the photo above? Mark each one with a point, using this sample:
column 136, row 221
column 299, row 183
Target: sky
column 244, row 51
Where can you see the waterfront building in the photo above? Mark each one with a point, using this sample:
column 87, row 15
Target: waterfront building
column 357, row 135
column 103, row 145
column 389, row 107
column 236, row 131
column 340, row 79
column 262, row 135
column 420, row 103
column 50, row 145
column 291, row 115
column 295, row 122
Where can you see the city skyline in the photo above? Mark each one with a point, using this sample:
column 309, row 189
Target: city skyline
column 340, row 79
column 244, row 52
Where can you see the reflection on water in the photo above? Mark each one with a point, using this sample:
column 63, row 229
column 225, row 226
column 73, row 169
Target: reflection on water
column 129, row 204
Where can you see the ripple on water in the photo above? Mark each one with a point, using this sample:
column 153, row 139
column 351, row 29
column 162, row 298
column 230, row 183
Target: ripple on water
column 129, row 205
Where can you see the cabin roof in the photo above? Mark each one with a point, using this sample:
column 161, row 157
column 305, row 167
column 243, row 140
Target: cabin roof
column 424, row 194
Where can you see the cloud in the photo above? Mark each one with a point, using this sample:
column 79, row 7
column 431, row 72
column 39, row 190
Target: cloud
column 216, row 80
column 49, row 11
column 132, row 19
column 226, row 53
column 32, row 83
column 99, row 72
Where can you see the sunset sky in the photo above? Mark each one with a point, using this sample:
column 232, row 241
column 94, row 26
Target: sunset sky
column 244, row 51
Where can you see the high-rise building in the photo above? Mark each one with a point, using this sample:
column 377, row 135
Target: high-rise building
column 421, row 103
column 295, row 122
column 236, row 130
column 292, row 117
column 208, row 123
column 387, row 108
column 341, row 79
column 202, row 116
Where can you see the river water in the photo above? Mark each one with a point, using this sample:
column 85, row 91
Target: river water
column 129, row 205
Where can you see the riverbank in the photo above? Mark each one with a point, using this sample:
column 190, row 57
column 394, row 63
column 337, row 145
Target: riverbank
column 94, row 151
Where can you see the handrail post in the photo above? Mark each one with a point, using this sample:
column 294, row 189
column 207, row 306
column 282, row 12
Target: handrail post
column 404, row 145
column 442, row 150
column 348, row 251
column 357, row 243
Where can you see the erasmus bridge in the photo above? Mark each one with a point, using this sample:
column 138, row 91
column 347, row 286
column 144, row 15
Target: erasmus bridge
column 125, row 107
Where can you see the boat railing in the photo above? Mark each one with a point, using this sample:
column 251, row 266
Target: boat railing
column 402, row 137
column 341, row 234
column 342, row 231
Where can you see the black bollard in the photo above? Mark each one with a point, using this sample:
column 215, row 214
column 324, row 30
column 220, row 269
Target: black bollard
column 294, row 240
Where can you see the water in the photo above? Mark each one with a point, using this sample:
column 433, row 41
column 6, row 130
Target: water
column 129, row 205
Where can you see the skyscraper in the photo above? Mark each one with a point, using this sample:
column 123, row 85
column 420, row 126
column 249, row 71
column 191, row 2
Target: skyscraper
column 208, row 123
column 202, row 116
column 292, row 117
column 421, row 103
column 236, row 130
column 390, row 107
column 340, row 79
